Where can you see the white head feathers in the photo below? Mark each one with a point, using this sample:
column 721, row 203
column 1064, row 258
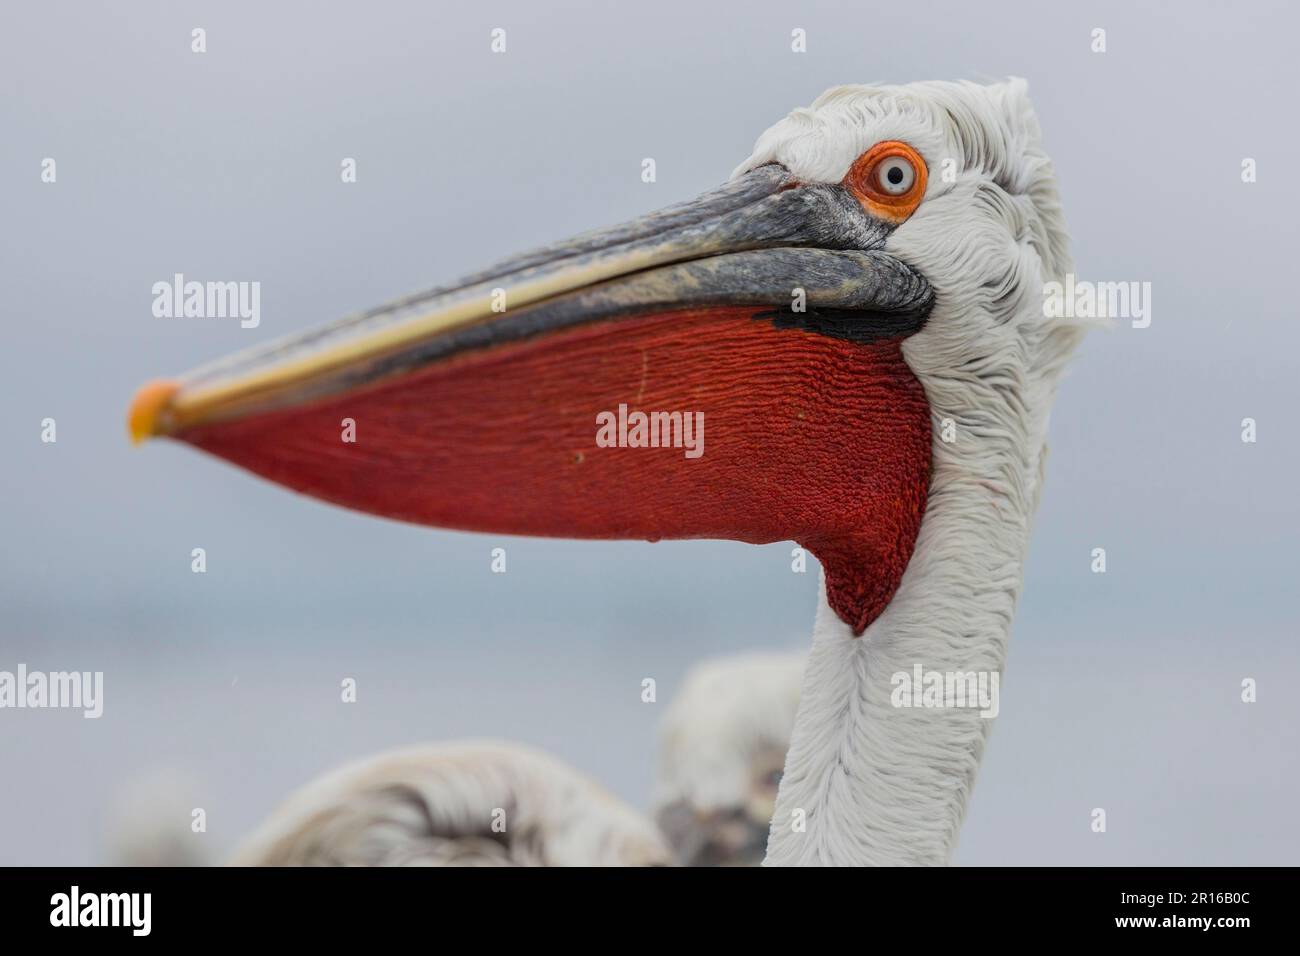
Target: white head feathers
column 959, row 128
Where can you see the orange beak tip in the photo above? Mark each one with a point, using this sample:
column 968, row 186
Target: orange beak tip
column 148, row 409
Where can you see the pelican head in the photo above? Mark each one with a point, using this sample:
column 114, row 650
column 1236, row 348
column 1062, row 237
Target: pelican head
column 722, row 749
column 844, row 346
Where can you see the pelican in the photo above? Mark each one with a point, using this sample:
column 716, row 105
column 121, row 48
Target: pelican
column 460, row 803
column 722, row 746
column 858, row 316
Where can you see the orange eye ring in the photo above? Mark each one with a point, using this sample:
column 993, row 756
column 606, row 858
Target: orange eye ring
column 889, row 180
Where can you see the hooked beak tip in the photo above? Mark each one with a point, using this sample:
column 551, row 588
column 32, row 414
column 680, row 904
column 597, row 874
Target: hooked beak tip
column 148, row 413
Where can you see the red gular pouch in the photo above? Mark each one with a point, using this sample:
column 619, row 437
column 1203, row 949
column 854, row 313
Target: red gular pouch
column 767, row 314
column 806, row 437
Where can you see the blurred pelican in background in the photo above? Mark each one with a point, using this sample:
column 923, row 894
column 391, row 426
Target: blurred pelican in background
column 452, row 804
column 722, row 748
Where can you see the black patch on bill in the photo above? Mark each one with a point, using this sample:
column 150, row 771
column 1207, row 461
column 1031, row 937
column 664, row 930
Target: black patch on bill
column 852, row 325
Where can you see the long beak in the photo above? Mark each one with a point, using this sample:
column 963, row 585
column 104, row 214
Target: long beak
column 509, row 402
column 701, row 253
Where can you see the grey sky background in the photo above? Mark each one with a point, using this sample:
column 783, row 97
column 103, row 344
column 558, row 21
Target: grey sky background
column 1122, row 690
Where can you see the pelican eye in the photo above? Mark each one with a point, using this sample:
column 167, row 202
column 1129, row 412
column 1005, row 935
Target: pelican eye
column 896, row 175
column 889, row 180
